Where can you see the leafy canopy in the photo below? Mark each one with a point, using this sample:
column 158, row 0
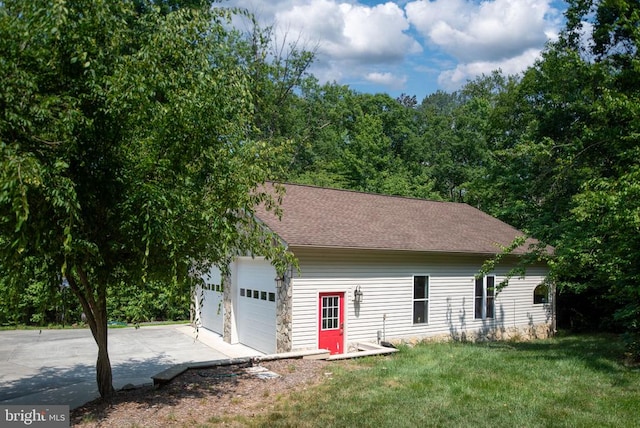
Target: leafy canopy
column 125, row 146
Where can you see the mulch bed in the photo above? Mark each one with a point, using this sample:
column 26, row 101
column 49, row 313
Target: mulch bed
column 220, row 396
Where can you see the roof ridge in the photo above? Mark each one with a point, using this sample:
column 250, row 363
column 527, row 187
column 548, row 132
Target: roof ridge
column 362, row 192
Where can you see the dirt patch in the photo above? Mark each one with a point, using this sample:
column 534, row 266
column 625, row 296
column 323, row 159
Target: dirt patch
column 216, row 396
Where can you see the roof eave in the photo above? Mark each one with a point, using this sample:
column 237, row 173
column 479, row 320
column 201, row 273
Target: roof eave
column 405, row 250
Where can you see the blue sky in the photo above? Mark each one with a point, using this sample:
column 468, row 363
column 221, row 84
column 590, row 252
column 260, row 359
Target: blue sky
column 412, row 46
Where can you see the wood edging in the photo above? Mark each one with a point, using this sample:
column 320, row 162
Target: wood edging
column 166, row 376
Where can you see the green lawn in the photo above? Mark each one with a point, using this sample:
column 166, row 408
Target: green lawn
column 573, row 381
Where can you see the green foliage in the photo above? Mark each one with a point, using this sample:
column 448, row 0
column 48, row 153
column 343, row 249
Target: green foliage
column 127, row 147
column 357, row 141
column 156, row 301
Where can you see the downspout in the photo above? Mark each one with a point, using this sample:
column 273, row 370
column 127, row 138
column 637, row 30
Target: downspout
column 553, row 309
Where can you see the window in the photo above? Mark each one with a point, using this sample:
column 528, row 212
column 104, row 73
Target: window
column 263, row 295
column 272, row 297
column 420, row 299
column 541, row 294
column 256, row 294
column 484, row 297
column 242, row 292
column 249, row 292
column 330, row 314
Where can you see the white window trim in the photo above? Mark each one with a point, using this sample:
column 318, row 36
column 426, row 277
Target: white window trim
column 548, row 296
column 426, row 299
column 484, row 297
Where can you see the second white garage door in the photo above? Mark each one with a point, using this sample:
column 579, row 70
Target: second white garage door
column 256, row 309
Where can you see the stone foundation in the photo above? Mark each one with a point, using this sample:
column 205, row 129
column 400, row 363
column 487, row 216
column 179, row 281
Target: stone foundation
column 513, row 334
column 228, row 307
column 283, row 315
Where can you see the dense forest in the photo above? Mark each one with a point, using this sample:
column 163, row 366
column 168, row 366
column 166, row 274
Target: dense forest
column 554, row 151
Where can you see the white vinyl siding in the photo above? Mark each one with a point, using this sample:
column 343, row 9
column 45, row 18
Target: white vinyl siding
column 514, row 303
column 386, row 281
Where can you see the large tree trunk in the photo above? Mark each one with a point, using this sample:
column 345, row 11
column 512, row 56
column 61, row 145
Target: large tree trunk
column 104, row 377
column 95, row 309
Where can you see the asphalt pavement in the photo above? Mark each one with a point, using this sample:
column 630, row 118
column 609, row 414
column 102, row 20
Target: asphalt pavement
column 58, row 366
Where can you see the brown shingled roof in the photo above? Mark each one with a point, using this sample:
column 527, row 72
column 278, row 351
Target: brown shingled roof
column 321, row 217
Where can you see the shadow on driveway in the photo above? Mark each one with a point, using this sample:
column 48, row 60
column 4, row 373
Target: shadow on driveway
column 58, row 366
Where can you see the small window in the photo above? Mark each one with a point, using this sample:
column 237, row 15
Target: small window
column 263, row 295
column 541, row 294
column 256, row 294
column 420, row 299
column 272, row 297
column 249, row 292
column 242, row 292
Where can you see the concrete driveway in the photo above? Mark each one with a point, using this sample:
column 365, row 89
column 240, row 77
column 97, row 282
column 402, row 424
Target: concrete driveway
column 58, row 366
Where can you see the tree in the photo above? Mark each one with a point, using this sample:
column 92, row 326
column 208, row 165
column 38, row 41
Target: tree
column 453, row 138
column 601, row 234
column 126, row 157
column 565, row 158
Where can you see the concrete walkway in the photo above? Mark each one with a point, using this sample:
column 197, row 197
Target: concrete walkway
column 58, row 366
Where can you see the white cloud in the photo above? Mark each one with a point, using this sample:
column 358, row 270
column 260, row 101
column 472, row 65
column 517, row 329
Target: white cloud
column 490, row 30
column 387, row 79
column 484, row 36
column 455, row 78
column 352, row 31
column 351, row 38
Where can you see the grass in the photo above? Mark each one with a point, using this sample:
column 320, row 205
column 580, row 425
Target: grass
column 572, row 381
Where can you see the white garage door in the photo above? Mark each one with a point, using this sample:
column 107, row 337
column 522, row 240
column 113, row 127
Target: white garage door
column 256, row 315
column 212, row 311
column 212, row 315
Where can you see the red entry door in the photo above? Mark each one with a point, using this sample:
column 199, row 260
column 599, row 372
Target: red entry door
column 331, row 322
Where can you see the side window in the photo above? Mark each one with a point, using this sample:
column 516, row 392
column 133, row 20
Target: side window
column 541, row 294
column 420, row 299
column 484, row 297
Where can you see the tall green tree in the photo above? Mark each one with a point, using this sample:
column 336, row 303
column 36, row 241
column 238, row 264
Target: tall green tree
column 602, row 232
column 126, row 152
column 565, row 152
column 453, row 137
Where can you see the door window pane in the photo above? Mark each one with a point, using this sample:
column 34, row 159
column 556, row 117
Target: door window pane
column 330, row 311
